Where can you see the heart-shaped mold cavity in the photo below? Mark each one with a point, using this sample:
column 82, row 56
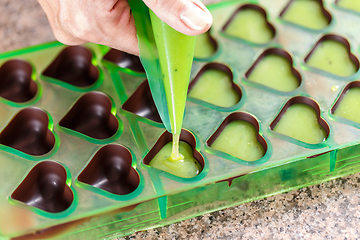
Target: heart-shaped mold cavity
column 124, row 60
column 249, row 22
column 110, row 169
column 332, row 54
column 309, row 14
column 91, row 115
column 274, row 68
column 159, row 156
column 353, row 5
column 142, row 104
column 300, row 119
column 45, row 188
column 16, row 83
column 73, row 65
column 238, row 135
column 214, row 84
column 28, row 132
column 206, row 46
column 348, row 103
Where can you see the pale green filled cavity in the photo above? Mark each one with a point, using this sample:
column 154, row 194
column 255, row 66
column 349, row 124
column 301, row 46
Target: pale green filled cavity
column 251, row 25
column 350, row 4
column 333, row 57
column 238, row 139
column 274, row 71
column 204, row 48
column 349, row 106
column 186, row 168
column 300, row 122
column 215, row 86
column 306, row 13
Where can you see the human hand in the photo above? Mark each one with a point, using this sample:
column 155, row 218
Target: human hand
column 110, row 22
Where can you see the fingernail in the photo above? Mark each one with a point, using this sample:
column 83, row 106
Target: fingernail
column 195, row 15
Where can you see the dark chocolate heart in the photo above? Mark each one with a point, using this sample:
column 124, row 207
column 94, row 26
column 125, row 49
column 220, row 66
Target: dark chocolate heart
column 278, row 59
column 166, row 137
column 215, row 76
column 124, row 60
column 91, row 115
column 45, row 188
column 252, row 30
column 335, row 58
column 16, row 83
column 237, row 144
column 142, row 104
column 110, row 169
column 311, row 132
column 73, row 65
column 28, row 132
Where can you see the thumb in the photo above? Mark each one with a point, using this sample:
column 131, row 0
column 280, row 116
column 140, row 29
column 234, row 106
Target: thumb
column 190, row 17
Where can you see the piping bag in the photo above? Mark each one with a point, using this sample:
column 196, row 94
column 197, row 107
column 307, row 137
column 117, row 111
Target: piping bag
column 167, row 56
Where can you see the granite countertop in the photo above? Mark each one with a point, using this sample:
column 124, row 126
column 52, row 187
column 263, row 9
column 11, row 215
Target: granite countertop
column 326, row 211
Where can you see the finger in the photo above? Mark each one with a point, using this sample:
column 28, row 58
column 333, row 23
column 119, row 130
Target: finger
column 190, row 17
column 121, row 33
column 65, row 37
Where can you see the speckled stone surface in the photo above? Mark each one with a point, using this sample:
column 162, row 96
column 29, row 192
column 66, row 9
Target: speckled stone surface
column 327, row 211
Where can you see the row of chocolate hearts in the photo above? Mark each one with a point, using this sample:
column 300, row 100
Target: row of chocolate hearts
column 273, row 68
column 91, row 115
column 250, row 21
column 45, row 186
column 73, row 66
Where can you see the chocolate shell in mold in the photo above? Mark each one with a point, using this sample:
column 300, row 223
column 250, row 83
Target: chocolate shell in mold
column 124, row 60
column 347, row 105
column 45, row 188
column 186, row 137
column 206, row 46
column 274, row 69
column 110, row 169
column 332, row 53
column 28, row 132
column 238, row 135
column 214, row 84
column 16, row 84
column 300, row 118
column 74, row 66
column 309, row 14
column 249, row 22
column 142, row 104
column 91, row 115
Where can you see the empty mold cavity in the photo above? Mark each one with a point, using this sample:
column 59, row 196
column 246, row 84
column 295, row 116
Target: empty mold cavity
column 214, row 84
column 300, row 119
column 348, row 103
column 124, row 60
column 16, row 83
column 249, row 22
column 238, row 135
column 206, row 46
column 73, row 66
column 159, row 156
column 110, row 169
column 45, row 188
column 28, row 132
column 142, row 104
column 353, row 5
column 274, row 69
column 309, row 14
column 332, row 54
column 91, row 115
